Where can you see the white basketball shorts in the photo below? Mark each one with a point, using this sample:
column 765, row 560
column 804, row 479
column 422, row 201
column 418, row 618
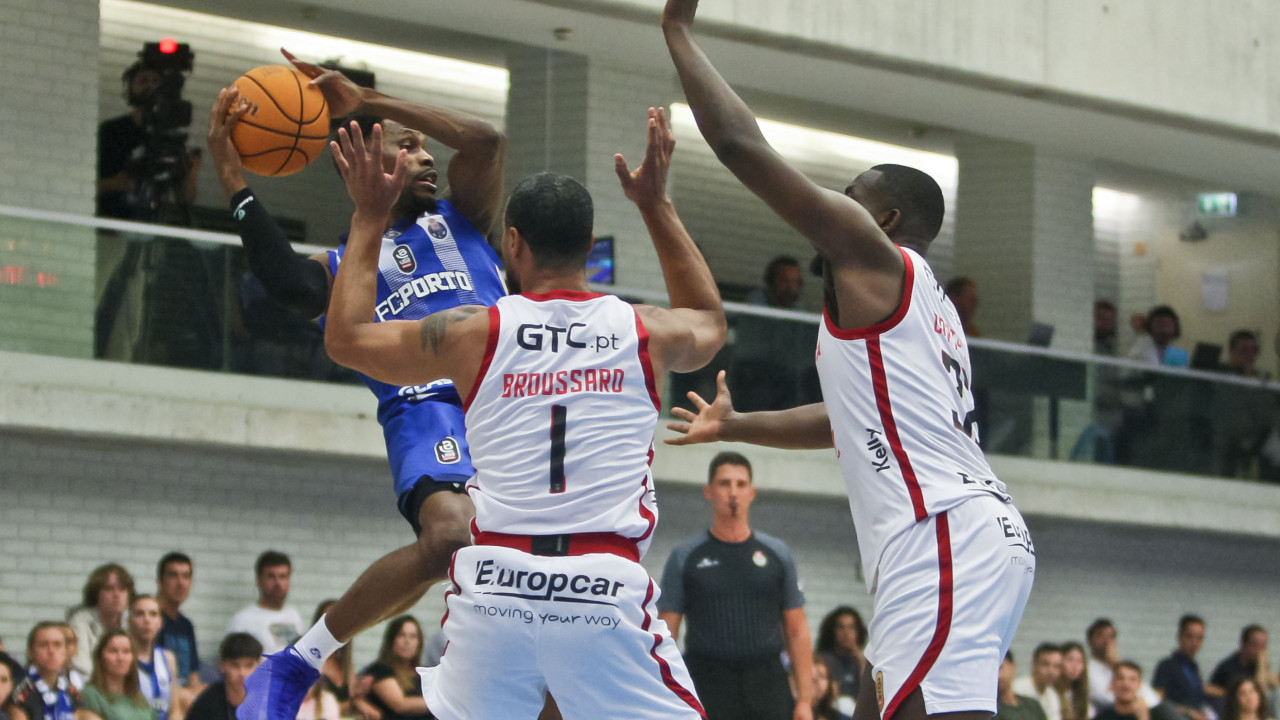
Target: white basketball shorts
column 584, row 627
column 950, row 592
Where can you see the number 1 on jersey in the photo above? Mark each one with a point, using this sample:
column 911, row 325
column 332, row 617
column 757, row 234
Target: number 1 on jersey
column 559, row 414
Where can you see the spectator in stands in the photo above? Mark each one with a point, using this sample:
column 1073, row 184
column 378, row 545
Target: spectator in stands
column 238, row 656
column 77, row 678
column 772, row 366
column 113, row 691
column 397, row 689
column 1104, row 328
column 1156, row 346
column 1247, row 662
column 174, row 575
column 273, row 623
column 1246, row 701
column 6, row 690
column 106, row 598
column 841, row 638
column 337, row 676
column 1073, row 683
column 1127, row 688
column 1242, row 353
column 46, row 693
column 963, row 293
column 826, row 692
column 1046, row 668
column 156, row 666
column 1243, row 416
column 1009, row 704
column 1104, row 655
column 783, row 283
column 1178, row 676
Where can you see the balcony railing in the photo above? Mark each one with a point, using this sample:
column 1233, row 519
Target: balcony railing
column 77, row 286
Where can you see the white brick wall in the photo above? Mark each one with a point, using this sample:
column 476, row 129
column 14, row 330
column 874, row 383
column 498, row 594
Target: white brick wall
column 71, row 503
column 47, row 147
column 46, row 162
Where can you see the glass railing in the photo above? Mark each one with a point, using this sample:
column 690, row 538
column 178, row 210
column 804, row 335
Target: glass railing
column 83, row 287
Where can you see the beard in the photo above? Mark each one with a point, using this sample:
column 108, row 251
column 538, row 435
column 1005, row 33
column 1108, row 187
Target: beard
column 416, row 205
column 513, row 282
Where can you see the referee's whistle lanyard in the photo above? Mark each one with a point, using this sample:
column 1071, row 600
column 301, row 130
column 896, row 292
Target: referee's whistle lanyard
column 56, row 699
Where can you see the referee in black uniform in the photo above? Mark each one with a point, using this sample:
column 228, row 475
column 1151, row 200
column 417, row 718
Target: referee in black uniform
column 740, row 592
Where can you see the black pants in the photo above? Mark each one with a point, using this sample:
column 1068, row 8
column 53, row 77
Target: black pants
column 742, row 688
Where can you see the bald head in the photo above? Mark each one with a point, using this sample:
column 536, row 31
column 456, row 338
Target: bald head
column 913, row 194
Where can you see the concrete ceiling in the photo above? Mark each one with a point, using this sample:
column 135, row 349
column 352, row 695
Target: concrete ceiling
column 909, row 104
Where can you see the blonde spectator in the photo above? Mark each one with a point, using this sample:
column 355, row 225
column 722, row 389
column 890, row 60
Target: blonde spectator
column 157, row 667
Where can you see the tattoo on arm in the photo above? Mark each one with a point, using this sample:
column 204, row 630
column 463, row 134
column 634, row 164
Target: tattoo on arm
column 434, row 326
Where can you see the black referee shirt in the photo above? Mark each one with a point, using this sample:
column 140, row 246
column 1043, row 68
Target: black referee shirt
column 732, row 595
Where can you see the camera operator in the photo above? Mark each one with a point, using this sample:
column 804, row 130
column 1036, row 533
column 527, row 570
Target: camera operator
column 126, row 186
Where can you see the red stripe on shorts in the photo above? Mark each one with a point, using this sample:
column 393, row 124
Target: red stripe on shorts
column 943, row 628
column 667, row 678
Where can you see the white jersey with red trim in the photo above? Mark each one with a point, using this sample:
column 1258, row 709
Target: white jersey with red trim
column 561, row 419
column 901, row 406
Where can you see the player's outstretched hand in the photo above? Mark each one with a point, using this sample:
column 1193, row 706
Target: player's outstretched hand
column 374, row 191
column 708, row 424
column 226, row 112
column 679, row 12
column 646, row 186
column 343, row 96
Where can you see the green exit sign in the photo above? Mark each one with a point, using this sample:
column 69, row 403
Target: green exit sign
column 1219, row 204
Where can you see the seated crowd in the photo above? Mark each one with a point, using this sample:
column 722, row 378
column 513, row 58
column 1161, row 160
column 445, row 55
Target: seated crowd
column 141, row 663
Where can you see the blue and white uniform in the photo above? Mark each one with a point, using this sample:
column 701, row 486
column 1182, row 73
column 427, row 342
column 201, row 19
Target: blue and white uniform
column 436, row 262
column 156, row 682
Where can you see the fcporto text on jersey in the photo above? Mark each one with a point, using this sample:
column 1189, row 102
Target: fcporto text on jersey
column 421, row 287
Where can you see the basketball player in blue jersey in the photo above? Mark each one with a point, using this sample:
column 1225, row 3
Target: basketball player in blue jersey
column 434, row 256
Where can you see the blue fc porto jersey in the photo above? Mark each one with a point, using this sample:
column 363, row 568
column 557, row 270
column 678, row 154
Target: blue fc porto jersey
column 436, row 262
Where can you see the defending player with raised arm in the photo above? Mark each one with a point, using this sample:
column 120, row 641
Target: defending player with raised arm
column 435, row 256
column 948, row 559
column 561, row 389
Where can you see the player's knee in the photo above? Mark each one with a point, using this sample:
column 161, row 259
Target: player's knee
column 437, row 543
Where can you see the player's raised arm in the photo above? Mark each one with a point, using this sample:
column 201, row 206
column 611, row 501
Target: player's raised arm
column 475, row 171
column 842, row 230
column 799, row 428
column 696, row 323
column 297, row 282
column 400, row 352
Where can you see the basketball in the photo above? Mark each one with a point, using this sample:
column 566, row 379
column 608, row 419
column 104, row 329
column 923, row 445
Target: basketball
column 287, row 124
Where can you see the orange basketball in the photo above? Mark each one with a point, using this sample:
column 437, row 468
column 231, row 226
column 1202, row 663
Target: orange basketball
column 287, row 124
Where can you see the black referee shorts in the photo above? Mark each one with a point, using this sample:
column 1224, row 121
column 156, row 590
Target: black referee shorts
column 752, row 687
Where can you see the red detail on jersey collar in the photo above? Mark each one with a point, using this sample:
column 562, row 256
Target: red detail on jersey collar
column 862, row 333
column 574, row 295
